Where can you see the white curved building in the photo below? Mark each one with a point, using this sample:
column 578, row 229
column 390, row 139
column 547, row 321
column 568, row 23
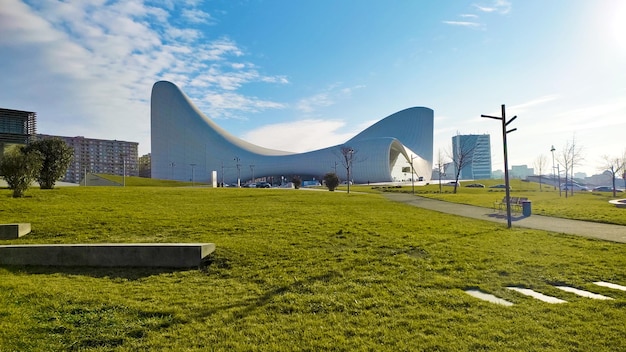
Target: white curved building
column 186, row 145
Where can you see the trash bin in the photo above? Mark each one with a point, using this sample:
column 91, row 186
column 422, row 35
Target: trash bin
column 526, row 208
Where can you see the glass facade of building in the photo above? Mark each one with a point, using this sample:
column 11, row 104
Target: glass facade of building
column 476, row 149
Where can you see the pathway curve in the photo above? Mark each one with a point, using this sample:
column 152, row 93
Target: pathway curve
column 608, row 232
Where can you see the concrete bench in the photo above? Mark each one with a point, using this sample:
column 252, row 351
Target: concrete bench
column 170, row 255
column 13, row 231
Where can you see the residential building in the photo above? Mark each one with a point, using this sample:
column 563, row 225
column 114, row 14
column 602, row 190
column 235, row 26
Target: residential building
column 102, row 156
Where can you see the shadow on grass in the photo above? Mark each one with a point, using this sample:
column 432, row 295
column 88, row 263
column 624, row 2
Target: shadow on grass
column 503, row 216
column 248, row 306
column 126, row 273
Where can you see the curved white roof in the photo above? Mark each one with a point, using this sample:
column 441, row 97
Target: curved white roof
column 183, row 136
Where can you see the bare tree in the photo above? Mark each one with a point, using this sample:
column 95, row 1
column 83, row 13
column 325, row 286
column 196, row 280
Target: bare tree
column 577, row 158
column 614, row 165
column 565, row 159
column 441, row 162
column 461, row 155
column 540, row 165
column 570, row 156
column 347, row 158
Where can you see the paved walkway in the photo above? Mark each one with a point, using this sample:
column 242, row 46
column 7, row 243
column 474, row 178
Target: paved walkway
column 615, row 233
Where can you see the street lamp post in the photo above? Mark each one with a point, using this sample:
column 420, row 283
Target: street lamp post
column 172, row 164
column 558, row 172
column 252, row 171
column 192, row 175
column 238, row 172
column 351, row 154
column 123, row 156
column 412, row 174
column 505, row 123
column 553, row 177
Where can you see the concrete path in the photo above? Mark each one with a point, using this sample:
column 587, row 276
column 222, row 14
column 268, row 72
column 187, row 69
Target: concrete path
column 615, row 233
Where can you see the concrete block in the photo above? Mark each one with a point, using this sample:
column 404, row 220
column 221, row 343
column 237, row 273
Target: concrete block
column 171, row 255
column 13, row 231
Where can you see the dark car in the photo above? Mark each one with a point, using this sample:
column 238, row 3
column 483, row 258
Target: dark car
column 499, row 186
column 605, row 189
column 263, row 185
column 475, row 185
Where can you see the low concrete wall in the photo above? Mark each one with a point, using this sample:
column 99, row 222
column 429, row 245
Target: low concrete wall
column 171, row 255
column 13, row 231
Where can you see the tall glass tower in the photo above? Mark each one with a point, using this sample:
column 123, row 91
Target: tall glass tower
column 475, row 151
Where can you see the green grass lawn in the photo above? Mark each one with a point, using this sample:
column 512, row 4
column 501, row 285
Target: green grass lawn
column 301, row 270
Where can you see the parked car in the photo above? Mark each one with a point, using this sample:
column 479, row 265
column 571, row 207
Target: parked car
column 451, row 183
column 605, row 189
column 263, row 185
column 475, row 185
column 574, row 186
column 250, row 185
column 502, row 185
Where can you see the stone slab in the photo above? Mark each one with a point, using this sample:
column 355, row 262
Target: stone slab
column 171, row 255
column 537, row 295
column 488, row 297
column 582, row 293
column 610, row 285
column 13, row 231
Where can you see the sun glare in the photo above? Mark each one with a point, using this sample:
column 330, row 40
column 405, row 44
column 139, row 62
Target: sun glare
column 617, row 25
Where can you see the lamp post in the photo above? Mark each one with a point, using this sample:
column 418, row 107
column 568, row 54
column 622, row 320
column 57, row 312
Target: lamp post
column 506, row 162
column 238, row 172
column 192, row 175
column 123, row 156
column 412, row 174
column 172, row 164
column 558, row 172
column 553, row 177
column 252, row 171
column 351, row 154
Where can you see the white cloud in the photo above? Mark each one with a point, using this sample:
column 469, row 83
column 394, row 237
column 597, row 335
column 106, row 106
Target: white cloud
column 497, row 6
column 196, row 16
column 87, row 67
column 463, row 24
column 328, row 97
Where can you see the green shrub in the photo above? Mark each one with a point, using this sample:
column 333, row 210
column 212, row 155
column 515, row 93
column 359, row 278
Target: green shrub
column 331, row 180
column 19, row 168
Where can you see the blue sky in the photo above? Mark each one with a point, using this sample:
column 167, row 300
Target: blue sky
column 303, row 75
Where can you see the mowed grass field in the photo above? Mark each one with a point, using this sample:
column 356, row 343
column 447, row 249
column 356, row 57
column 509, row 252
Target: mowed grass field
column 299, row 270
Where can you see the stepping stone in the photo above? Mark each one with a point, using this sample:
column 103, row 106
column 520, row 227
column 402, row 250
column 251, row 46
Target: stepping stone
column 488, row 297
column 537, row 295
column 582, row 293
column 610, row 285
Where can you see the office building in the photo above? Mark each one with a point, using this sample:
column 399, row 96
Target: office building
column 474, row 152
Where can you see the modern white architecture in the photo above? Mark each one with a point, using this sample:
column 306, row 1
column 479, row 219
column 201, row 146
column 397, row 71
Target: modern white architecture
column 187, row 145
